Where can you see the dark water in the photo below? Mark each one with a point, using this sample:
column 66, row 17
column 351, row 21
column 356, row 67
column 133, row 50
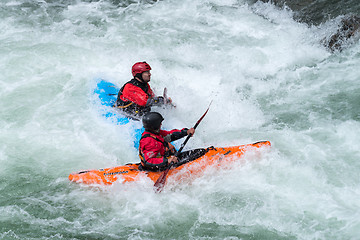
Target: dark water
column 319, row 11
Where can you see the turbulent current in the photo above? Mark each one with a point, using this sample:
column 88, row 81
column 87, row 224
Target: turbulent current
column 269, row 77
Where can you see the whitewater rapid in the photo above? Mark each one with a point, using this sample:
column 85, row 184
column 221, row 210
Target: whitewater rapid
column 269, row 78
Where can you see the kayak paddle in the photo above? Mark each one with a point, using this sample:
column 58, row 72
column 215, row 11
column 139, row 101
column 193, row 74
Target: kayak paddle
column 166, row 99
column 160, row 183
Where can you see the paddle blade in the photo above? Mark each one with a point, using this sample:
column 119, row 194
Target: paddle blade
column 165, row 96
column 167, row 100
column 160, row 183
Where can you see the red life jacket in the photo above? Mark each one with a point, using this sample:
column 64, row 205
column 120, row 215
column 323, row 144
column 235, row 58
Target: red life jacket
column 133, row 96
column 153, row 151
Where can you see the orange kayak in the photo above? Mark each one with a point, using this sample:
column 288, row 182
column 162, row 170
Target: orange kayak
column 218, row 156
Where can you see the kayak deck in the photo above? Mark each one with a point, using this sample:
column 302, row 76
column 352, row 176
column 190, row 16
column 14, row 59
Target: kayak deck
column 131, row 172
column 106, row 94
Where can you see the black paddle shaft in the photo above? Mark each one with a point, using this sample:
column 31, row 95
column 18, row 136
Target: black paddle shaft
column 160, row 183
column 188, row 137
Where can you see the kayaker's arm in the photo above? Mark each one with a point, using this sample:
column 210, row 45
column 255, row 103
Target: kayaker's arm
column 177, row 134
column 174, row 136
column 160, row 100
column 155, row 101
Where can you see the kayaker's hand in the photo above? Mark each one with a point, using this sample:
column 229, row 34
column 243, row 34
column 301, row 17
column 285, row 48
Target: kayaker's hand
column 190, row 131
column 159, row 100
column 172, row 159
column 155, row 101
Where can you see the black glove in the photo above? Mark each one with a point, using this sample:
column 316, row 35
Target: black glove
column 155, row 101
column 159, row 100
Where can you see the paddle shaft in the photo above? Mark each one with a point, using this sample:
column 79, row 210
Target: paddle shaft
column 189, row 136
column 160, row 183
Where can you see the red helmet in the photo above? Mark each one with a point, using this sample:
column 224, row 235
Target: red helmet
column 140, row 67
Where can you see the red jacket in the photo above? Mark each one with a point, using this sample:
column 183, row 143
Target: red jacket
column 153, row 147
column 136, row 93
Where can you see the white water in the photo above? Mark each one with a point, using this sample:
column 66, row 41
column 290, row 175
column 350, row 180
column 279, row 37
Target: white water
column 269, row 79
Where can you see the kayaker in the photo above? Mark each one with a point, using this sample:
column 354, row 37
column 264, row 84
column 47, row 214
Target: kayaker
column 136, row 97
column 155, row 150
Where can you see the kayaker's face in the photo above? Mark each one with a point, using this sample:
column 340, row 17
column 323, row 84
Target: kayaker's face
column 146, row 76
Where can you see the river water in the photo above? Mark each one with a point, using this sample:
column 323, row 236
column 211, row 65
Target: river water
column 269, row 77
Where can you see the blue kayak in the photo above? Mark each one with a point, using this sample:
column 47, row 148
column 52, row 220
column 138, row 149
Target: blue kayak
column 107, row 94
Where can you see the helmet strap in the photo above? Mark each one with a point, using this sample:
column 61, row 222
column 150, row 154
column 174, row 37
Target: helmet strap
column 139, row 77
